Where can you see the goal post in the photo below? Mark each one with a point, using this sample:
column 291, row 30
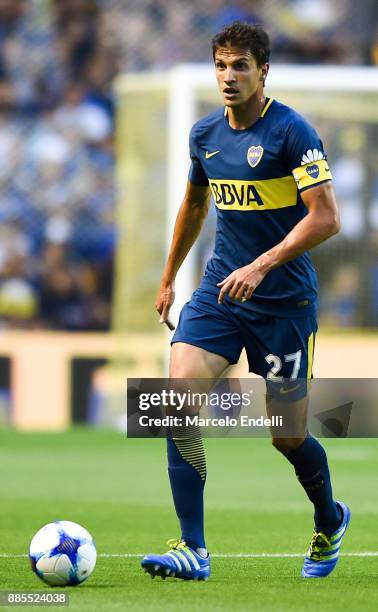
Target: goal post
column 155, row 114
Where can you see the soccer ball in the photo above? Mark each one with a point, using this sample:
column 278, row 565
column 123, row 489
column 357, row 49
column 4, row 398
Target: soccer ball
column 62, row 553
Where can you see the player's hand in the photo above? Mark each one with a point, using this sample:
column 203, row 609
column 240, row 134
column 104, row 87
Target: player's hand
column 241, row 283
column 164, row 301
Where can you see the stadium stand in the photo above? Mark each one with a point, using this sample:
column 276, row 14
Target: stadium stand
column 58, row 59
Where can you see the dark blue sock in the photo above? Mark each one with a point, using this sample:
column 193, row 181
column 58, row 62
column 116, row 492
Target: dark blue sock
column 311, row 467
column 187, row 475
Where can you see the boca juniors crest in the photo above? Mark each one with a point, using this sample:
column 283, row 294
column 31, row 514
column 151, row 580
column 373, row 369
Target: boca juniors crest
column 313, row 170
column 254, row 155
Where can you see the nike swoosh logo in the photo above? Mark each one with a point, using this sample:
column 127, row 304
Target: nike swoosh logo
column 284, row 391
column 208, row 155
column 326, row 169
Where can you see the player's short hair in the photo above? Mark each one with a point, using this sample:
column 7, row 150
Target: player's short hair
column 244, row 36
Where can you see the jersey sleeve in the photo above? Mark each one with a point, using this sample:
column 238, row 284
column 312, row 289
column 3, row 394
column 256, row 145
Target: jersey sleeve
column 305, row 155
column 197, row 174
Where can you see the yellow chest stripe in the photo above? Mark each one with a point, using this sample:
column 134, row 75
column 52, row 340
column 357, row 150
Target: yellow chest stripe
column 254, row 195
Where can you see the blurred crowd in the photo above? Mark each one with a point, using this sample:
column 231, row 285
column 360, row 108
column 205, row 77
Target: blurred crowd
column 57, row 232
column 58, row 59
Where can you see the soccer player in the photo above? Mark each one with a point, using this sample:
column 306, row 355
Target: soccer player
column 268, row 174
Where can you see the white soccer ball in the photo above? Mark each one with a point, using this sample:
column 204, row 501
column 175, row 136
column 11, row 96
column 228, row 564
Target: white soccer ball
column 63, row 553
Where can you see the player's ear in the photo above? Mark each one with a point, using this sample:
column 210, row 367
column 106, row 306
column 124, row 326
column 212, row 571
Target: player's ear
column 264, row 72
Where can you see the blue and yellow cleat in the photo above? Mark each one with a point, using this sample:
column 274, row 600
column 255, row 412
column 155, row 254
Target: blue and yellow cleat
column 179, row 562
column 323, row 553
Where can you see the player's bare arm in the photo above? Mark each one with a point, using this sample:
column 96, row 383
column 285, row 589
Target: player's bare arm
column 189, row 221
column 321, row 222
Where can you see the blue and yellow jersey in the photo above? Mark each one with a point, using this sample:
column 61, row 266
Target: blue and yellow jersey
column 256, row 177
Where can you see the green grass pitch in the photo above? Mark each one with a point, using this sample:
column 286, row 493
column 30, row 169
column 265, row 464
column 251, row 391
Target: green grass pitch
column 118, row 489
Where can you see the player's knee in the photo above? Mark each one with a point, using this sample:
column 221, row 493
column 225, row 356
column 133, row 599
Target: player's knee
column 182, row 370
column 286, row 445
column 182, row 365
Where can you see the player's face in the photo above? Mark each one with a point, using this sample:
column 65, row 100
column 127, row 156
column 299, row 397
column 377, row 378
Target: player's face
column 239, row 78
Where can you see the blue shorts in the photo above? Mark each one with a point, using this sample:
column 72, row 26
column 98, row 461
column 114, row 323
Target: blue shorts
column 276, row 347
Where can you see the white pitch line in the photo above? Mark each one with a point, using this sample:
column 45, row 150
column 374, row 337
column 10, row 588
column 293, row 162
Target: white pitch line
column 246, row 555
column 215, row 555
